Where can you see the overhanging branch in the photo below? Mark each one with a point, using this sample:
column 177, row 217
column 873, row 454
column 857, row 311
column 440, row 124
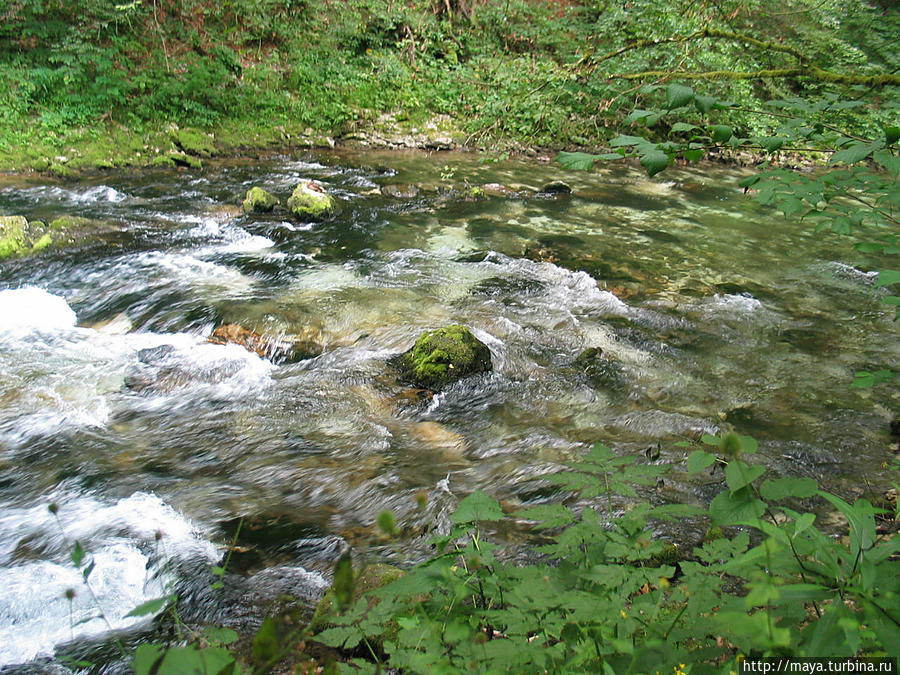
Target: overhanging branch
column 880, row 80
column 803, row 69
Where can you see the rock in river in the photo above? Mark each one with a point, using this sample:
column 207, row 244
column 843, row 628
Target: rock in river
column 278, row 351
column 309, row 201
column 443, row 356
column 258, row 200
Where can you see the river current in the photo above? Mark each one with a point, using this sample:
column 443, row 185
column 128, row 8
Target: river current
column 712, row 313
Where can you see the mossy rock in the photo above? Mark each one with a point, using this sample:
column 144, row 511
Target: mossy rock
column 309, row 201
column 258, row 200
column 69, row 223
column 173, row 159
column 443, row 356
column 194, row 142
column 557, row 187
column 12, row 236
column 18, row 237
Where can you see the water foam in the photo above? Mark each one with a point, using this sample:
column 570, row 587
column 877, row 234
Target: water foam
column 130, row 568
column 27, row 309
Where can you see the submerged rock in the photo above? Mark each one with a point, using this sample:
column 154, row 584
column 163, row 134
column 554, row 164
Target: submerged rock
column 258, row 200
column 398, row 191
column 277, row 351
column 443, row 356
column 600, row 370
column 309, row 201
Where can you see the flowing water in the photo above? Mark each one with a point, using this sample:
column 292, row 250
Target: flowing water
column 712, row 313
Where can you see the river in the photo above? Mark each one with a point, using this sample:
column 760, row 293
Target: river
column 713, row 313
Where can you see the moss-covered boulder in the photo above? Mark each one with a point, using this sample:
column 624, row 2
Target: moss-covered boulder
column 309, row 201
column 12, row 236
column 193, row 142
column 18, row 237
column 443, row 356
column 175, row 159
column 258, row 200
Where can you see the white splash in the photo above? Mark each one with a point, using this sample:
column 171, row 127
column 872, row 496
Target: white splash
column 129, row 568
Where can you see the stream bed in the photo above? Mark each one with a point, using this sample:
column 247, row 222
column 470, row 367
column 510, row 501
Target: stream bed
column 712, row 313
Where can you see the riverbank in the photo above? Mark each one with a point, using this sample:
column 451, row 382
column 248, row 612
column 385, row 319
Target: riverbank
column 89, row 90
column 109, row 146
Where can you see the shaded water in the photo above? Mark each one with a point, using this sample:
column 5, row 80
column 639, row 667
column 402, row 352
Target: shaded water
column 714, row 313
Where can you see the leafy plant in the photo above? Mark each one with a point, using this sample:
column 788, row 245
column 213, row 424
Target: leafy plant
column 610, row 596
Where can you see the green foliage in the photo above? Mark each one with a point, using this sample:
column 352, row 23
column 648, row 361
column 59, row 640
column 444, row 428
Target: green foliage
column 610, row 598
column 520, row 71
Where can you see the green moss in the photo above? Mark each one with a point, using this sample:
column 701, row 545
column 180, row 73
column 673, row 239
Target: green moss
column 62, row 170
column 194, row 142
column 258, row 201
column 12, row 236
column 71, row 223
column 162, row 160
column 443, row 356
column 42, row 243
column 310, row 202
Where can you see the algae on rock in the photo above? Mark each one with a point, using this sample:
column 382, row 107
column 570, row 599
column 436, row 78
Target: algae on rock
column 258, row 200
column 443, row 356
column 309, row 201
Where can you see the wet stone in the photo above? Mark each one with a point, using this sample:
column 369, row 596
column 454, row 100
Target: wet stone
column 599, row 369
column 557, row 187
column 276, row 350
column 400, row 191
column 443, row 356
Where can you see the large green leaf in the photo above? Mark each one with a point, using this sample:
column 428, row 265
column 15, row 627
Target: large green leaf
column 736, row 507
column 678, row 95
column 889, row 161
column 772, row 143
column 679, row 127
column 654, row 162
column 888, row 277
column 639, row 116
column 625, row 139
column 704, row 103
column 576, row 161
column 775, row 489
column 699, row 460
column 721, row 132
column 151, row 606
column 477, row 506
column 856, row 152
column 739, row 474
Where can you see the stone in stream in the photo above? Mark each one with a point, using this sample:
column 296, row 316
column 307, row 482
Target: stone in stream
column 258, row 200
column 278, row 351
column 19, row 237
column 557, row 187
column 600, row 370
column 309, row 201
column 443, row 356
column 398, row 191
